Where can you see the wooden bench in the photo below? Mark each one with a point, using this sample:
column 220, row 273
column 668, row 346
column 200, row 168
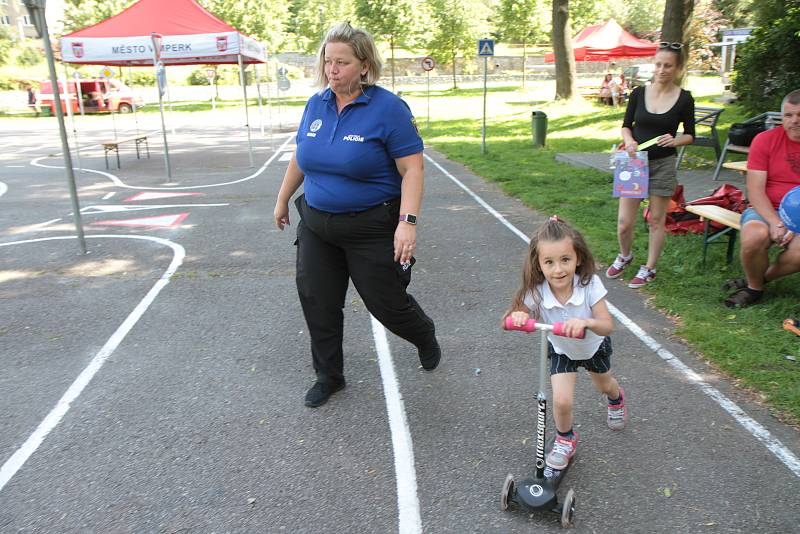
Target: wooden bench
column 738, row 166
column 113, row 146
column 704, row 117
column 725, row 217
column 771, row 119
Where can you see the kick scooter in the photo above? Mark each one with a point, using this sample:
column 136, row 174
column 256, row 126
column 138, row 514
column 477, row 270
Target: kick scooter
column 538, row 491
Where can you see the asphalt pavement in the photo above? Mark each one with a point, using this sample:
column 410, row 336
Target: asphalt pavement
column 156, row 384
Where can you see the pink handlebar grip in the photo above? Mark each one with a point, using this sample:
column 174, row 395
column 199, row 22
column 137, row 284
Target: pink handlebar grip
column 558, row 329
column 529, row 326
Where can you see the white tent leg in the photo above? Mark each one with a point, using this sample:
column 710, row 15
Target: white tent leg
column 133, row 99
column 68, row 101
column 246, row 111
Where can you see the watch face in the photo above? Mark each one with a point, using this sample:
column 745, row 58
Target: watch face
column 410, row 219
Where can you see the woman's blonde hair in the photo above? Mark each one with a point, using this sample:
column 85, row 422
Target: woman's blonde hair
column 363, row 46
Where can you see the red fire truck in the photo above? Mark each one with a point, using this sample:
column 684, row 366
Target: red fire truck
column 98, row 95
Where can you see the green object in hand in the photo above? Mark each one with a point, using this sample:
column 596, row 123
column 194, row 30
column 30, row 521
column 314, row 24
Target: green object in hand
column 648, row 144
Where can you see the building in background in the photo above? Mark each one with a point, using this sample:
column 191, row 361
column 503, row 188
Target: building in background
column 14, row 16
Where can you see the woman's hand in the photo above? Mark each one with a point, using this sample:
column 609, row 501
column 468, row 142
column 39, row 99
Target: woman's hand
column 632, row 147
column 666, row 140
column 281, row 214
column 405, row 242
column 519, row 318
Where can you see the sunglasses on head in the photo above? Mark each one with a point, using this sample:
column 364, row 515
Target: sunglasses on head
column 674, row 46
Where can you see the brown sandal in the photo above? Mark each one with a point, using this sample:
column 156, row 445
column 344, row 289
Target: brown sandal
column 743, row 297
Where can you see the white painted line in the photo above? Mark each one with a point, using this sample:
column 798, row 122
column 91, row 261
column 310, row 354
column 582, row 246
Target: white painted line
column 120, row 183
column 111, row 208
column 286, row 156
column 3, row 189
column 108, row 195
column 757, row 430
column 18, row 459
column 15, row 166
column 410, row 521
column 42, row 225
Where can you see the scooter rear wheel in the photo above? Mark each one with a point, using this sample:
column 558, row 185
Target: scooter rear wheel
column 568, row 509
column 506, row 492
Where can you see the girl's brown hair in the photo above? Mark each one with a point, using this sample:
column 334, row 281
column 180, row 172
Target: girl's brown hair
column 553, row 230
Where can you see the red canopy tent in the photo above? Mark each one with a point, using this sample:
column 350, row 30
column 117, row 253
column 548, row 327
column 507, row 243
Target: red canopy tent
column 605, row 42
column 191, row 35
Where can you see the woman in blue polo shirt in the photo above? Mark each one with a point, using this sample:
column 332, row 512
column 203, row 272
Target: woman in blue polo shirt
column 359, row 159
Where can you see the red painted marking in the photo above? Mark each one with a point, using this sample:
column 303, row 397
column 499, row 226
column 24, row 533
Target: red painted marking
column 150, row 195
column 161, row 221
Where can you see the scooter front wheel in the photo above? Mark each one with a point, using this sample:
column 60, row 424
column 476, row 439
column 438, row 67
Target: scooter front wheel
column 507, row 492
column 568, row 509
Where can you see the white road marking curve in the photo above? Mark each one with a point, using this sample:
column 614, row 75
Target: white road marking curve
column 119, row 183
column 757, row 430
column 409, row 518
column 18, row 459
column 3, row 189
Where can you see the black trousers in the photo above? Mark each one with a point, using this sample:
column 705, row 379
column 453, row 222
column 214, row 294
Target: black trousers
column 335, row 247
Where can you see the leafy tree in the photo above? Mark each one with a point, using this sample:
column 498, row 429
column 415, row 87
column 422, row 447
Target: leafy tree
column 262, row 20
column 458, row 24
column 6, row 44
column 737, row 13
column 520, row 21
column 562, row 47
column 763, row 74
column 79, row 14
column 388, row 20
column 314, row 17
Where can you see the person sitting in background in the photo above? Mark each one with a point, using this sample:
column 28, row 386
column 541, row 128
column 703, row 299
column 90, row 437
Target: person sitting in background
column 773, row 168
column 605, row 89
column 33, row 100
column 619, row 89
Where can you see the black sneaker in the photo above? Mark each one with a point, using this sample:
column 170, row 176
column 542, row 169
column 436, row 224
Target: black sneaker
column 430, row 355
column 320, row 392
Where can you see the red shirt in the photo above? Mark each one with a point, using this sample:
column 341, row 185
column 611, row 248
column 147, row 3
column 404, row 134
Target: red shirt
column 774, row 152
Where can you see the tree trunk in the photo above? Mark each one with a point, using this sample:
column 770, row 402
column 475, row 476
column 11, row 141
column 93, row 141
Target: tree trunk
column 562, row 47
column 675, row 26
column 524, row 50
column 454, row 71
column 391, row 44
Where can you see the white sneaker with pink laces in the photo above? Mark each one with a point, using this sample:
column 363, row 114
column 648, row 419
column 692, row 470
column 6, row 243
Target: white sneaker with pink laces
column 562, row 452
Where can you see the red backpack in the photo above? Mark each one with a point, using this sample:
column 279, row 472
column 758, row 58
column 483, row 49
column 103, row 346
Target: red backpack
column 679, row 221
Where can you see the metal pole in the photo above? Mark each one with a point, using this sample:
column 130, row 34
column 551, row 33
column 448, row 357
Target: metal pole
column 62, row 129
column 133, row 99
column 246, row 111
column 72, row 115
column 429, row 100
column 483, row 130
column 258, row 88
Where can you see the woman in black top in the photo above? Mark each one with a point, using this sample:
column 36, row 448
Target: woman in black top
column 654, row 110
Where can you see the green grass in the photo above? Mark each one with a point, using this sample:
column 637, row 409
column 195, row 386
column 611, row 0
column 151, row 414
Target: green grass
column 748, row 345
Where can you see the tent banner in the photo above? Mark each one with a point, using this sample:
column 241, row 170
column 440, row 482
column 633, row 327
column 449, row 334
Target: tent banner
column 139, row 49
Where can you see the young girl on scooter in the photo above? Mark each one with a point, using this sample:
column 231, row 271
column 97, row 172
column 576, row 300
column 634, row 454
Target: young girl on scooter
column 559, row 285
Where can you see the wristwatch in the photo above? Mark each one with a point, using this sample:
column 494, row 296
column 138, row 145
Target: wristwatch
column 410, row 218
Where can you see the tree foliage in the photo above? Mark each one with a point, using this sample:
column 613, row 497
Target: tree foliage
column 79, row 14
column 392, row 21
column 262, row 20
column 764, row 71
column 522, row 21
column 458, row 24
column 312, row 18
column 6, row 44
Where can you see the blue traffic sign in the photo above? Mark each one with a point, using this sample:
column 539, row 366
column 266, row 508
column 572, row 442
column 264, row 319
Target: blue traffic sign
column 486, row 47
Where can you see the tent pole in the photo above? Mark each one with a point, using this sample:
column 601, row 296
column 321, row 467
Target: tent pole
column 133, row 98
column 72, row 115
column 258, row 88
column 269, row 101
column 246, row 111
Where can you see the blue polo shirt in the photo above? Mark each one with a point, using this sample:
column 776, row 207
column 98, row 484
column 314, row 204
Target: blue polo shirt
column 348, row 159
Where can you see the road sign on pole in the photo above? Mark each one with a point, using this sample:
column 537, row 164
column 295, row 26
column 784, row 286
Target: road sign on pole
column 485, row 47
column 428, row 63
column 106, row 73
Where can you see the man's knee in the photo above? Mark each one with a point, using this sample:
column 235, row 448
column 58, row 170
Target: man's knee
column 755, row 238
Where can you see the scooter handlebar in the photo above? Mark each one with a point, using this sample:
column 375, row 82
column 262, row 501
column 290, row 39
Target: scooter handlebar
column 531, row 325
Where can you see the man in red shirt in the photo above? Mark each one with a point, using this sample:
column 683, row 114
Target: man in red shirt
column 773, row 168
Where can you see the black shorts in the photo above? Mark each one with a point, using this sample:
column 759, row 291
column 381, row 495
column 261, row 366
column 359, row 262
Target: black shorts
column 599, row 363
